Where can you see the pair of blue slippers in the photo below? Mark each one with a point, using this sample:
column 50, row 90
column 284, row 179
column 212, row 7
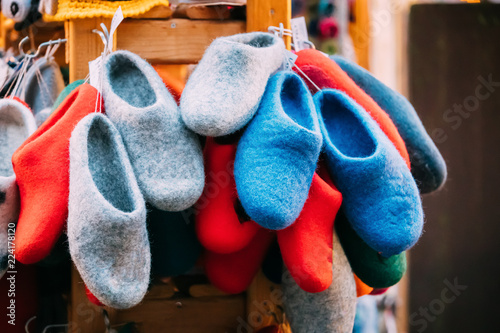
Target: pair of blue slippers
column 278, row 152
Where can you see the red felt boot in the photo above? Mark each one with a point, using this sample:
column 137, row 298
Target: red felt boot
column 232, row 273
column 41, row 165
column 306, row 245
column 219, row 227
column 325, row 73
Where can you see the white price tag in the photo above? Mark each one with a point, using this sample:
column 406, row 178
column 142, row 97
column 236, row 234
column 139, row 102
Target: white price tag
column 115, row 22
column 299, row 32
column 95, row 73
column 289, row 60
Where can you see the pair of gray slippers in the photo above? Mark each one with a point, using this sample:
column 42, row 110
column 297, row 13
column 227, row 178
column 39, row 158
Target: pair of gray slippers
column 16, row 125
column 141, row 151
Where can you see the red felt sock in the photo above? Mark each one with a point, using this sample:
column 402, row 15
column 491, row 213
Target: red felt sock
column 41, row 165
column 219, row 227
column 306, row 245
column 92, row 298
column 379, row 291
column 325, row 73
column 232, row 273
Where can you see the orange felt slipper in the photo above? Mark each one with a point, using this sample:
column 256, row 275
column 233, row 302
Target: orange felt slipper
column 232, row 273
column 307, row 245
column 325, row 73
column 41, row 165
column 362, row 289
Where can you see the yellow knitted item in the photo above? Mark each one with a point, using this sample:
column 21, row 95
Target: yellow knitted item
column 75, row 9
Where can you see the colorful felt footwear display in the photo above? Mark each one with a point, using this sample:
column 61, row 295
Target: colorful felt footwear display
column 174, row 246
column 370, row 267
column 166, row 156
column 380, row 197
column 16, row 125
column 277, row 153
column 232, row 273
column 332, row 310
column 41, row 165
column 306, row 245
column 107, row 234
column 224, row 91
column 325, row 73
column 221, row 224
column 427, row 165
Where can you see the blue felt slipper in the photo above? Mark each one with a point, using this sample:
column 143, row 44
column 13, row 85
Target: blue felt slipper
column 277, row 154
column 427, row 165
column 381, row 199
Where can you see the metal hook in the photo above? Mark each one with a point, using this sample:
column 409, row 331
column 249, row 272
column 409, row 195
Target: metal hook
column 40, row 47
column 26, row 326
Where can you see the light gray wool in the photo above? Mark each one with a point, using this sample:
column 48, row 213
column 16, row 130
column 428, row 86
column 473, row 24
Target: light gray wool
column 16, row 125
column 165, row 154
column 330, row 311
column 107, row 234
column 43, row 83
column 224, row 91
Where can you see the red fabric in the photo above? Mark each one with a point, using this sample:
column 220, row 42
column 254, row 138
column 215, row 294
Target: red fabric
column 232, row 273
column 325, row 73
column 379, row 291
column 41, row 165
column 307, row 245
column 92, row 298
column 218, row 225
column 173, row 84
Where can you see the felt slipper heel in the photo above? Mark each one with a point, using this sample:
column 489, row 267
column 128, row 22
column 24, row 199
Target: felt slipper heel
column 107, row 233
column 380, row 197
column 224, row 91
column 427, row 165
column 219, row 226
column 16, row 125
column 277, row 154
column 306, row 245
column 332, row 310
column 41, row 165
column 368, row 265
column 165, row 155
column 325, row 73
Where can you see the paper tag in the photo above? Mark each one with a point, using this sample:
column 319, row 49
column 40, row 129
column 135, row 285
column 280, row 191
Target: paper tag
column 299, row 32
column 115, row 22
column 289, row 60
column 95, row 73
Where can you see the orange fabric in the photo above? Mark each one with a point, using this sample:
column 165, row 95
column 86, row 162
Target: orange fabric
column 173, row 84
column 218, row 226
column 361, row 288
column 325, row 73
column 232, row 273
column 41, row 165
column 306, row 245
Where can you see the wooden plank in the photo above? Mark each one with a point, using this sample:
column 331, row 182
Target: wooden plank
column 360, row 32
column 263, row 13
column 158, row 12
column 175, row 41
column 83, row 45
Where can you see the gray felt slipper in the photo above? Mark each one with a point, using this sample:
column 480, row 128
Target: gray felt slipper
column 165, row 154
column 224, row 91
column 107, row 233
column 16, row 125
column 332, row 310
column 44, row 82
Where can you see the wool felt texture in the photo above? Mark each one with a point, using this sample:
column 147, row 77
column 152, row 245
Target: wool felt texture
column 41, row 165
column 107, row 234
column 306, row 245
column 174, row 246
column 224, row 91
column 427, row 165
column 380, row 291
column 380, row 197
column 332, row 310
column 232, row 273
column 43, row 83
column 325, row 73
column 221, row 224
column 373, row 269
column 66, row 91
column 277, row 154
column 16, row 125
column 166, row 156
column 362, row 288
